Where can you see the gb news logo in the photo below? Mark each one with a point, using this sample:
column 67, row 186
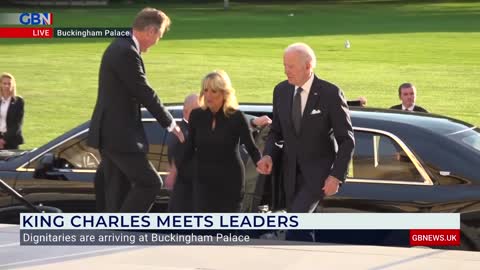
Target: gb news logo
column 27, row 18
column 36, row 18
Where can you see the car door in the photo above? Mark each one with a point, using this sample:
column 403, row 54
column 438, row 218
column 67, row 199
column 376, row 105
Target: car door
column 384, row 176
column 62, row 176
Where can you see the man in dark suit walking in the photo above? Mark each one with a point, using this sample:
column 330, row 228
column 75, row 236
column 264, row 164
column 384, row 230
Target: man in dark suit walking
column 408, row 94
column 130, row 181
column 306, row 112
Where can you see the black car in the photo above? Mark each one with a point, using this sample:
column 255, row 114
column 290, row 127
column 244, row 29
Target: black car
column 403, row 163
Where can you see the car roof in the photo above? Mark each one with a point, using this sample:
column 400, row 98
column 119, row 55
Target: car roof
column 367, row 116
column 433, row 123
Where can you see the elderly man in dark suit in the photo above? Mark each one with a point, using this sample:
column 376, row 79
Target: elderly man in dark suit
column 306, row 112
column 130, row 181
column 408, row 95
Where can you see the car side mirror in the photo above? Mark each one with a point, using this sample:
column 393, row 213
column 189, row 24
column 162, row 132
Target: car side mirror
column 45, row 164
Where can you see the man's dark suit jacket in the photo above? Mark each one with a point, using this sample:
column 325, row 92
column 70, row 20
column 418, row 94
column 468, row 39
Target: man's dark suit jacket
column 313, row 149
column 13, row 137
column 181, row 199
column 116, row 122
column 416, row 108
column 175, row 151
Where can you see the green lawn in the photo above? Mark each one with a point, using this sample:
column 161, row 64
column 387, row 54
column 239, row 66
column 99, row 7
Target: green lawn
column 434, row 45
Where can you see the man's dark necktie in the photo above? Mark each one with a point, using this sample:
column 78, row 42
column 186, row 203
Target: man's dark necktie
column 297, row 110
column 143, row 66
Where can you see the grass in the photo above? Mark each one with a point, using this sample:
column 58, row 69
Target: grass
column 434, row 45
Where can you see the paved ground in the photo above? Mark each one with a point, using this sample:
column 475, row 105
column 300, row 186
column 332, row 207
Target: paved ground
column 12, row 255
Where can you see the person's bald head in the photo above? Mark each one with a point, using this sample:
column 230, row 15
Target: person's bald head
column 190, row 103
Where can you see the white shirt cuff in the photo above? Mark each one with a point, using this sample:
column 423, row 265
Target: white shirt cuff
column 172, row 125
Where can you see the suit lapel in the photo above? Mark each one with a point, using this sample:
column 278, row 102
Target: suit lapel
column 10, row 112
column 139, row 54
column 312, row 100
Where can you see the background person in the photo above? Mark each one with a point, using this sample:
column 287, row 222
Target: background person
column 181, row 182
column 408, row 95
column 11, row 113
column 116, row 128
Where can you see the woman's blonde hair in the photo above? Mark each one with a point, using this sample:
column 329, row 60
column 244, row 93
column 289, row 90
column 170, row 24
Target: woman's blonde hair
column 14, row 84
column 218, row 80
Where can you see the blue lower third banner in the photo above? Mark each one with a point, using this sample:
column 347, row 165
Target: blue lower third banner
column 203, row 237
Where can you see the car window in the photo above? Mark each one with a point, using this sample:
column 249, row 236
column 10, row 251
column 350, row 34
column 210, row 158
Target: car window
column 76, row 154
column 379, row 157
column 469, row 137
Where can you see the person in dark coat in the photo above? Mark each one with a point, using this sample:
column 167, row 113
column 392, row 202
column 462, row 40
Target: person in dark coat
column 408, row 95
column 11, row 113
column 306, row 112
column 131, row 183
column 215, row 131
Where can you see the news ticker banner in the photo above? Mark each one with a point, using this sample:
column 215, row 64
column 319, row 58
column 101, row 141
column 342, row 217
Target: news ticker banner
column 244, row 221
column 57, row 32
column 241, row 229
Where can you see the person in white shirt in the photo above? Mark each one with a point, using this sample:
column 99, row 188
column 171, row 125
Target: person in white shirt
column 11, row 113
